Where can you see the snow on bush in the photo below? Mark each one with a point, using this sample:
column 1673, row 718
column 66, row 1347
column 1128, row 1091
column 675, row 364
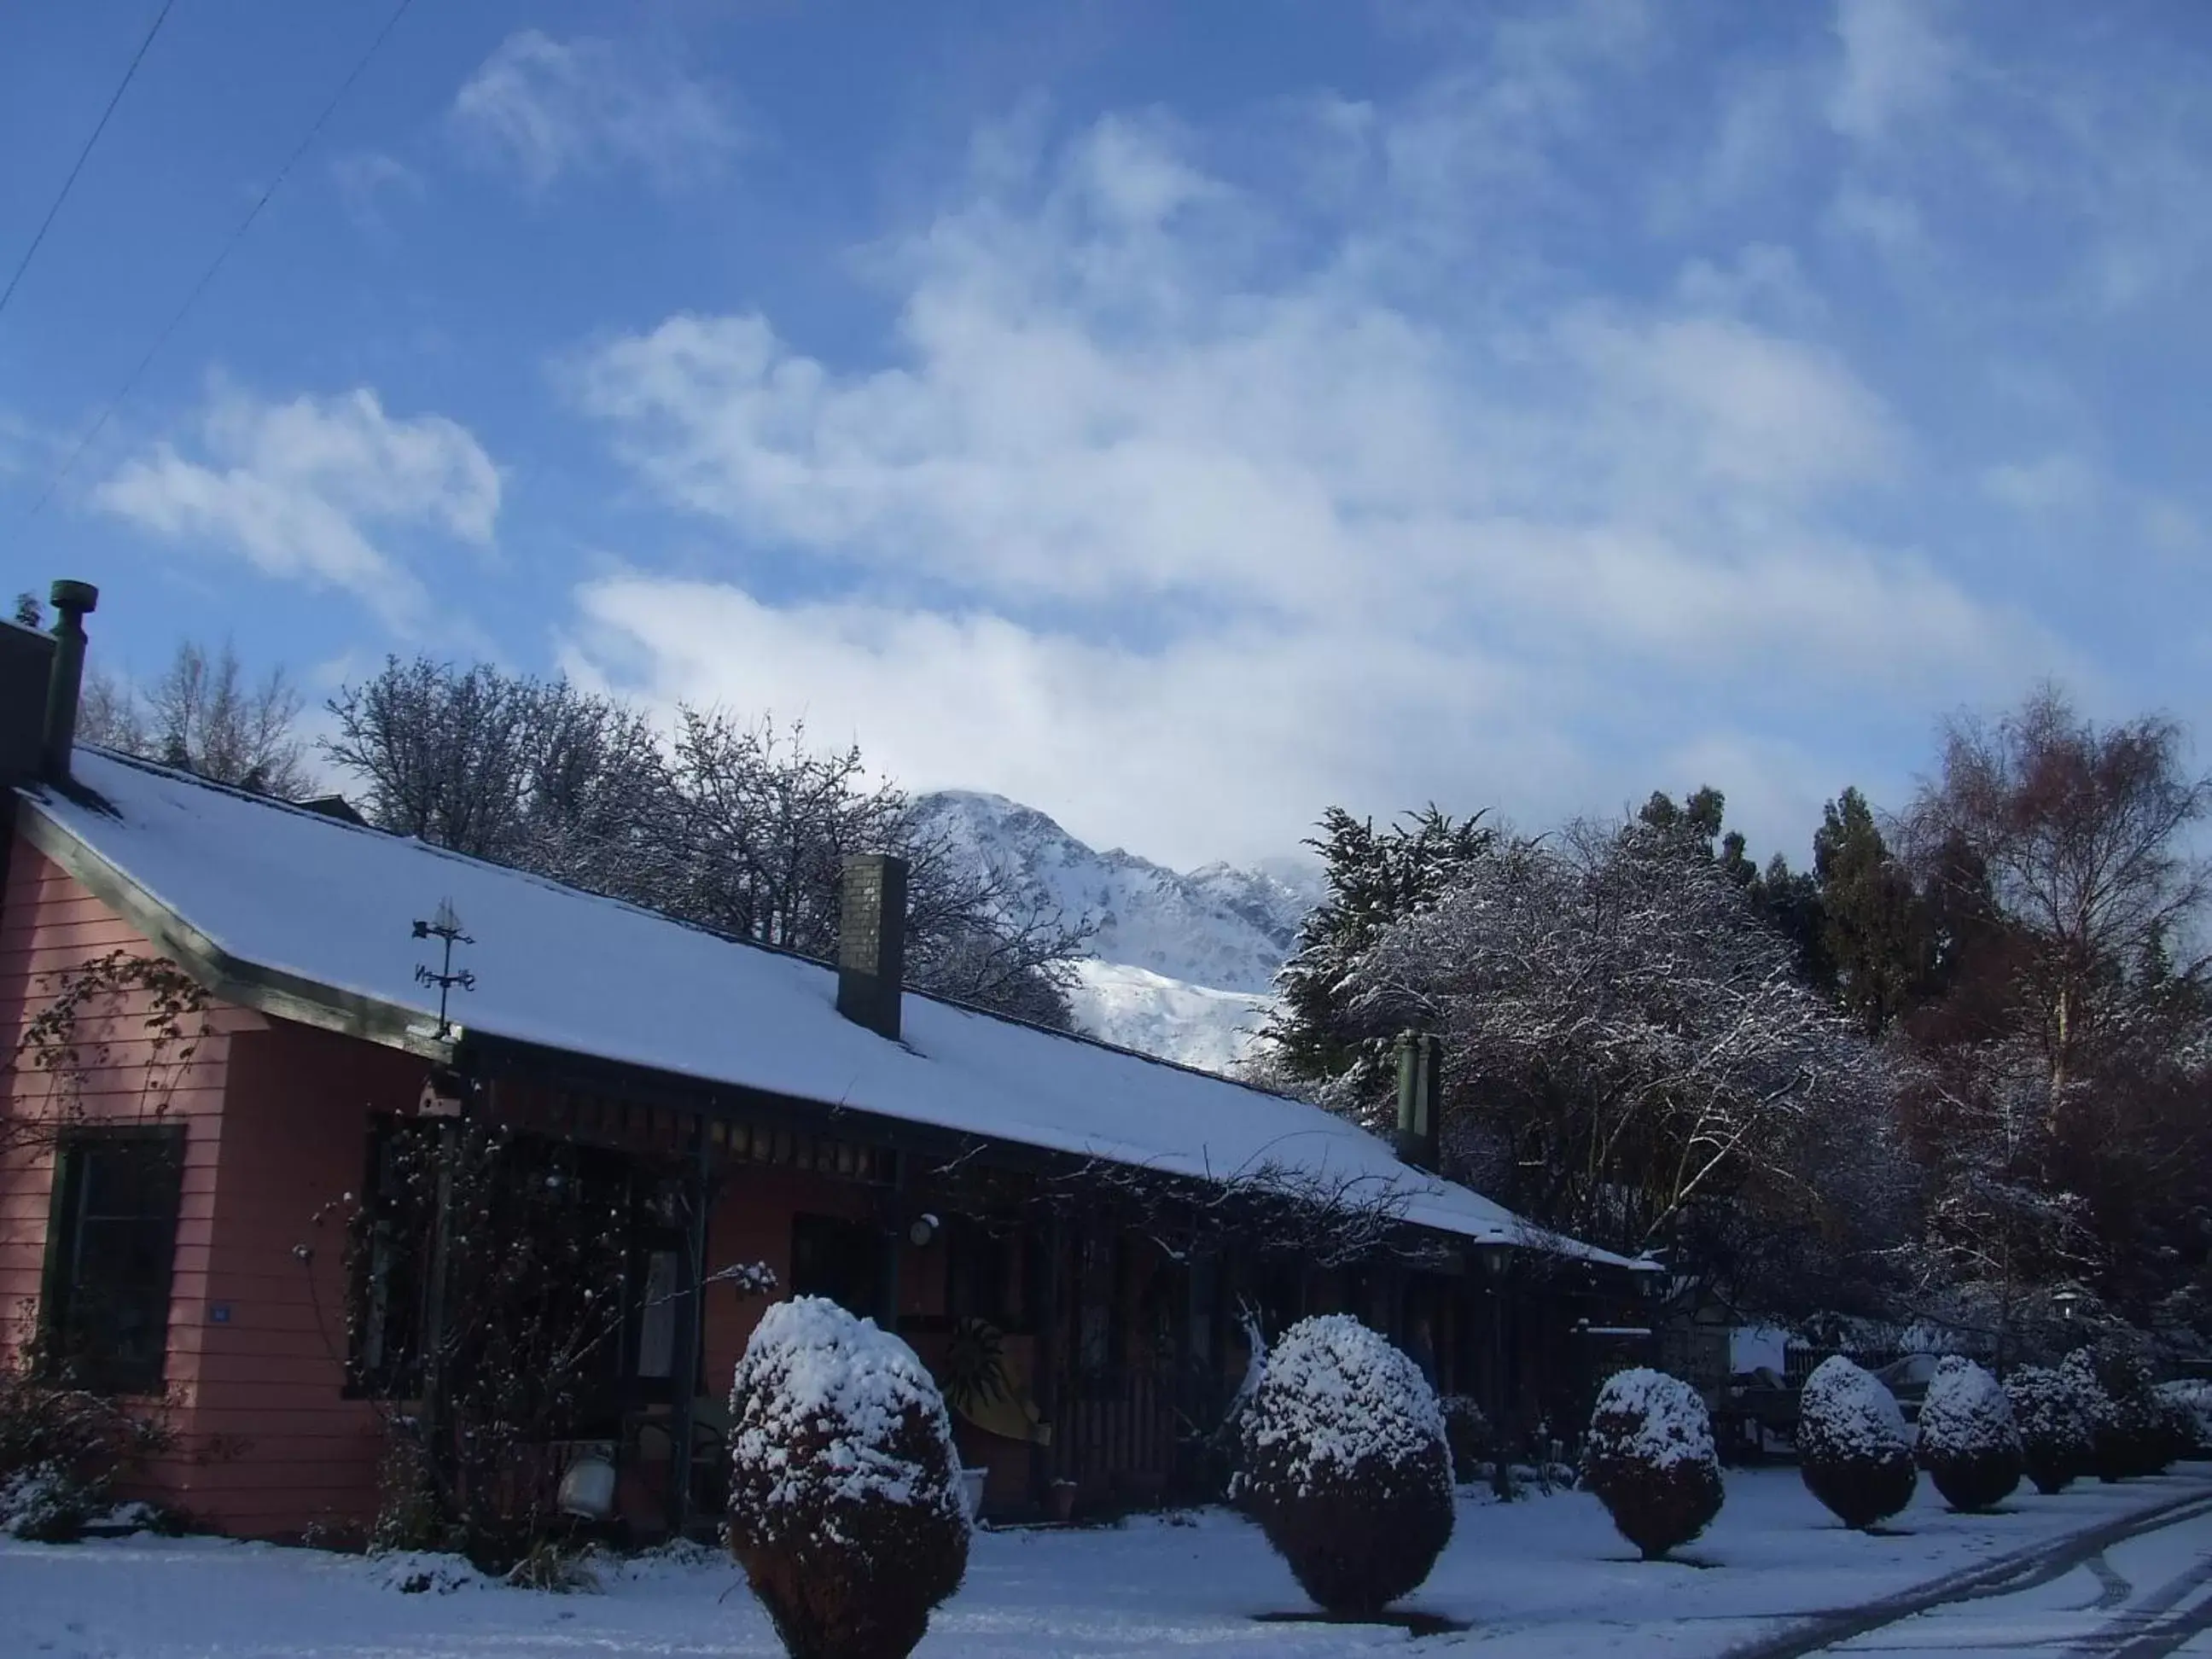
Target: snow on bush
column 1345, row 1466
column 2131, row 1434
column 1969, row 1443
column 62, row 1451
column 2189, row 1404
column 2054, row 1416
column 424, row 1572
column 1851, row 1444
column 845, row 1502
column 1649, row 1458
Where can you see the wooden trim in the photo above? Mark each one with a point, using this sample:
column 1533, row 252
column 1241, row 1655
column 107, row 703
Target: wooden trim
column 171, row 1137
column 271, row 991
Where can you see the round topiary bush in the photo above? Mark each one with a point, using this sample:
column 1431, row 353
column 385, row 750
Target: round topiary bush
column 1650, row 1459
column 1968, row 1441
column 1345, row 1468
column 845, row 1503
column 1851, row 1445
column 2129, row 1431
column 2053, row 1417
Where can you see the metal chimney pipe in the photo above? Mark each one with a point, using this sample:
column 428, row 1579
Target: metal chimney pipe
column 74, row 601
column 1420, row 1097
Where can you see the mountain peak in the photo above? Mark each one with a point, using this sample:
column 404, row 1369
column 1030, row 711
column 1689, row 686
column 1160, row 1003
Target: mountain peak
column 1220, row 932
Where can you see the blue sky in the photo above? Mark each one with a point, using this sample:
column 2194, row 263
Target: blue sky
column 1177, row 417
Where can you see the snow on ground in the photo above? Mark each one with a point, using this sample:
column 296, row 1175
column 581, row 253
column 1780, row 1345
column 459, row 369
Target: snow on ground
column 1544, row 1578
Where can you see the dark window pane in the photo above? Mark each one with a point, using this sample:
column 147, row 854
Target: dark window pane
column 114, row 1225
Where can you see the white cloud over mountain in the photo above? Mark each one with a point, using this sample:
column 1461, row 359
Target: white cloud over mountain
column 1136, row 497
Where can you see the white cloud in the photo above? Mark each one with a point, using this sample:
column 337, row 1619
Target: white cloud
column 544, row 107
column 1129, row 507
column 2172, row 529
column 1887, row 220
column 313, row 490
column 2059, row 483
column 1896, row 66
column 367, row 179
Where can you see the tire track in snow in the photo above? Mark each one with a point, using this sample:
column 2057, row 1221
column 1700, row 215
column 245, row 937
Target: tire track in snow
column 2022, row 1569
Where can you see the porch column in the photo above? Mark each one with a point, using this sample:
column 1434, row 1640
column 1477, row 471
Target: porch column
column 1044, row 1382
column 691, row 1314
column 893, row 1238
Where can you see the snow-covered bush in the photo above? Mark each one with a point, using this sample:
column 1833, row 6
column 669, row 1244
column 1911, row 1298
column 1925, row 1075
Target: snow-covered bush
column 2130, row 1433
column 1851, row 1444
column 1466, row 1432
column 1345, row 1466
column 62, row 1450
column 1969, row 1443
column 2054, row 1416
column 845, row 1502
column 2189, row 1404
column 1649, row 1458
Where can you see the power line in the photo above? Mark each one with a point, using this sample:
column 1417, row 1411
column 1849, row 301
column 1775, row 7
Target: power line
column 84, row 154
column 222, row 256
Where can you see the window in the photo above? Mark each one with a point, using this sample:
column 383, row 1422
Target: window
column 112, row 1234
column 840, row 1259
column 979, row 1274
column 1100, row 1335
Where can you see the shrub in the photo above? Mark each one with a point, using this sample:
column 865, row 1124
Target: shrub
column 845, row 1503
column 2131, row 1434
column 1968, row 1441
column 1467, row 1433
column 1345, row 1466
column 62, row 1450
column 2189, row 1404
column 1851, row 1444
column 2054, row 1418
column 1649, row 1458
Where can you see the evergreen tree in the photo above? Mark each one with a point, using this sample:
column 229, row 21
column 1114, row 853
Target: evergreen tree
column 1789, row 902
column 1874, row 929
column 1375, row 879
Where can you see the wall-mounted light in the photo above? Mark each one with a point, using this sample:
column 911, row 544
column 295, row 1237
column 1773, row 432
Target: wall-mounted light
column 923, row 1231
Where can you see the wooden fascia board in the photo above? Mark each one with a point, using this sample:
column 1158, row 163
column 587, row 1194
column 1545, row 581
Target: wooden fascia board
column 272, row 991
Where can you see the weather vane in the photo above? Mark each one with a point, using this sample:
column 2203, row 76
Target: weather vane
column 446, row 926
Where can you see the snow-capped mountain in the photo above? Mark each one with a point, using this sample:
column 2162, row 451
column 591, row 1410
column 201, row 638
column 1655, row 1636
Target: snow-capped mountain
column 1183, row 961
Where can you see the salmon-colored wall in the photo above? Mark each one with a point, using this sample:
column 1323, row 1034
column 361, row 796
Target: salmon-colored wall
column 49, row 925
column 275, row 1119
column 295, row 1133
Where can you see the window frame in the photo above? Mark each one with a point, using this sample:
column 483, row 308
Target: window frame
column 62, row 1277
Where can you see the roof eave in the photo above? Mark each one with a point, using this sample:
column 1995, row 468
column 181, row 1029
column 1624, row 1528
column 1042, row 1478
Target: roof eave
column 271, row 991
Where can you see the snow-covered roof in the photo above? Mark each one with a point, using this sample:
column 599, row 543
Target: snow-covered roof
column 297, row 893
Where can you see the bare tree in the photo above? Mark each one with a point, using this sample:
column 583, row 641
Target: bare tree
column 765, row 822
column 203, row 715
column 2077, row 836
column 742, row 827
column 1630, row 1051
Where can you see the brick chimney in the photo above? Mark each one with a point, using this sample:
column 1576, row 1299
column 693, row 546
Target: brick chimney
column 871, row 941
column 26, row 669
column 73, row 602
column 1420, row 1098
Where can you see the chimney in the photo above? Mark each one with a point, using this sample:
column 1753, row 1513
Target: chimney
column 871, row 941
column 1420, row 1098
column 74, row 601
column 27, row 668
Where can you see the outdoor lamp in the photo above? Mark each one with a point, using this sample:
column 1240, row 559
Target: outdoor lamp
column 1496, row 1256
